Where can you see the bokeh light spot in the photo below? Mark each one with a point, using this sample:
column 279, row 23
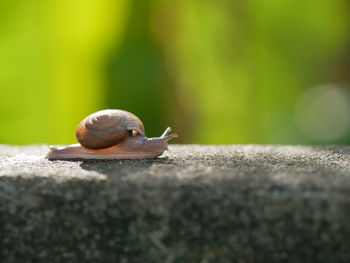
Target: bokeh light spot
column 323, row 113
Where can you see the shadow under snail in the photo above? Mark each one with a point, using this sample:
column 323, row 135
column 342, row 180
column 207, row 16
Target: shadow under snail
column 112, row 134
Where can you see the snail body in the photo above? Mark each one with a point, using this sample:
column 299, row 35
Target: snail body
column 112, row 134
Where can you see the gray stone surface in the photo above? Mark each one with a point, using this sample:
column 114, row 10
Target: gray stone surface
column 194, row 204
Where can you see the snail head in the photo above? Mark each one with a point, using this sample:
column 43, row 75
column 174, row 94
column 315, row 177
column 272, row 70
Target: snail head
column 138, row 141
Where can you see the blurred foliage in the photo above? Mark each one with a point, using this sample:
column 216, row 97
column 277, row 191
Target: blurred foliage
column 218, row 72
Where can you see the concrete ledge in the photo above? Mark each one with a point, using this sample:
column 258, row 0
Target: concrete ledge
column 194, row 204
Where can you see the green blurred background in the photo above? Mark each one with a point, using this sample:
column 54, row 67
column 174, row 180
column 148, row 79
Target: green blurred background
column 218, row 72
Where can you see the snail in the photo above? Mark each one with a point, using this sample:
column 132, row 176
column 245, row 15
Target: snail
column 112, row 134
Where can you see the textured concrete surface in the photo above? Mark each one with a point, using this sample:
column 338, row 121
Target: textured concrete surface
column 194, row 204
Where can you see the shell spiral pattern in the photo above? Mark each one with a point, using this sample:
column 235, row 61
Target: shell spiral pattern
column 106, row 128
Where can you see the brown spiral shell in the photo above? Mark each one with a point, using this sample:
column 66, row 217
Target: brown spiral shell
column 106, row 128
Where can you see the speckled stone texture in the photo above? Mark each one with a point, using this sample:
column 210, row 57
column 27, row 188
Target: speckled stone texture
column 194, row 204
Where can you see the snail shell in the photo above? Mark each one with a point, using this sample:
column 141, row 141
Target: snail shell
column 106, row 128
